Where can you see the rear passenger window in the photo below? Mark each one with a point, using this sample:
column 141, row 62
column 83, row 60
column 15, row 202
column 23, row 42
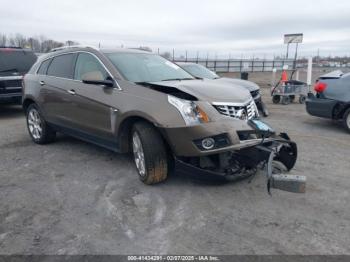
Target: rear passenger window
column 62, row 66
column 43, row 67
column 88, row 67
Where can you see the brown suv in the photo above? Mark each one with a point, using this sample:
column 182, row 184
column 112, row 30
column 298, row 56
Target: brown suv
column 135, row 101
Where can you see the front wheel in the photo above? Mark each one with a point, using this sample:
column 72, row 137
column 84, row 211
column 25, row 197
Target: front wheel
column 39, row 130
column 346, row 120
column 150, row 154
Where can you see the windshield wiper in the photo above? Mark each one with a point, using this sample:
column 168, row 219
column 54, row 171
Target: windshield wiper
column 177, row 79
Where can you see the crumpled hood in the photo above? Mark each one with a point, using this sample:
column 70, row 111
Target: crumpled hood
column 235, row 81
column 210, row 90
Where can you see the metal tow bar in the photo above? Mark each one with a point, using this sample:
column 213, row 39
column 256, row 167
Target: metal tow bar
column 290, row 183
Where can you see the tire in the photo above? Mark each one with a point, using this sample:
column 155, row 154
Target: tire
column 346, row 120
column 302, row 99
column 263, row 109
column 150, row 154
column 39, row 130
column 285, row 100
column 276, row 99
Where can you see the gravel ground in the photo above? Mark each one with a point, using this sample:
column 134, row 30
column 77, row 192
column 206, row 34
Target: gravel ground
column 71, row 197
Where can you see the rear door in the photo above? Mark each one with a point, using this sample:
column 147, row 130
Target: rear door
column 56, row 99
column 91, row 111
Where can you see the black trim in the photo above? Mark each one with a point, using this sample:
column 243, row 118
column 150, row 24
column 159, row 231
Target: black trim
column 106, row 143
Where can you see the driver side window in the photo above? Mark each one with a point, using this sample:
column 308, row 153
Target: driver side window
column 89, row 68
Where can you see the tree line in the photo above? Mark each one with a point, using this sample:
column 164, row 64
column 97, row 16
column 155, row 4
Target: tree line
column 39, row 44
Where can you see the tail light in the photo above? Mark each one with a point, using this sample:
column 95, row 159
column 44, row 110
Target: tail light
column 320, row 87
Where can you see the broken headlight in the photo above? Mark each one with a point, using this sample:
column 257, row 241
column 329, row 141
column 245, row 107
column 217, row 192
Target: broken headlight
column 190, row 112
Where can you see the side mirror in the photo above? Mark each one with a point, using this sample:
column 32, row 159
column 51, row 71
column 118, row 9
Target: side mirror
column 96, row 78
column 107, row 83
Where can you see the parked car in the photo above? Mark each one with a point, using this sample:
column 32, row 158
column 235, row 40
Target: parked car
column 200, row 71
column 14, row 63
column 332, row 98
column 134, row 101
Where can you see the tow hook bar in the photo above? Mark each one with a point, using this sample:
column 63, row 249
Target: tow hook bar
column 290, row 183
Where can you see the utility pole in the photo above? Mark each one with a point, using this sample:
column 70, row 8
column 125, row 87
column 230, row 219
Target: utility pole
column 296, row 55
column 287, row 50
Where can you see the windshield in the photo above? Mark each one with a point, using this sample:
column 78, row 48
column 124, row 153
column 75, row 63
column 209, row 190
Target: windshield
column 199, row 71
column 15, row 62
column 140, row 67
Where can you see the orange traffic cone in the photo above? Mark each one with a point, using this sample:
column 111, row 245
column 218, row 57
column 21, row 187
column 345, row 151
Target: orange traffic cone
column 284, row 77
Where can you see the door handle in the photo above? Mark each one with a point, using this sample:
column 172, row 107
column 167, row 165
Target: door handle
column 42, row 83
column 72, row 92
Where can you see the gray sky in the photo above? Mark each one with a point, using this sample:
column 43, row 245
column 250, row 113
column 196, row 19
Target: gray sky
column 236, row 27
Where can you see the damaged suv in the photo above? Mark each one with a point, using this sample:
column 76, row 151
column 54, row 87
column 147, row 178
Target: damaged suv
column 135, row 101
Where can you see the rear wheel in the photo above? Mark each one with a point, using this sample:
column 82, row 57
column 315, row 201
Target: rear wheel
column 285, row 100
column 276, row 99
column 150, row 154
column 346, row 120
column 39, row 130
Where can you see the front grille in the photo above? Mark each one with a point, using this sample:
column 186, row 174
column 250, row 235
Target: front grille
column 243, row 112
column 10, row 83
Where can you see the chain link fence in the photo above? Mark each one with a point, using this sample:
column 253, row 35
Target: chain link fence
column 240, row 65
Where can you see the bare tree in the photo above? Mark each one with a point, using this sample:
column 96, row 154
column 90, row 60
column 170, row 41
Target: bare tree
column 34, row 44
column 3, row 40
column 20, row 40
column 11, row 41
column 70, row 43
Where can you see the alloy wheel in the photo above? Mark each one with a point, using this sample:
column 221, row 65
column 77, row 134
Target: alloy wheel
column 35, row 124
column 139, row 156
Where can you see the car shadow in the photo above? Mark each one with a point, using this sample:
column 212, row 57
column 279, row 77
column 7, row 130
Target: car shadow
column 10, row 110
column 175, row 177
column 326, row 125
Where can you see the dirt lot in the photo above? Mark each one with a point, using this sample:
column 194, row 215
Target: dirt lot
column 71, row 197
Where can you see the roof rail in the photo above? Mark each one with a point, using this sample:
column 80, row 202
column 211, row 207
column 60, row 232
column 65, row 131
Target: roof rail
column 71, row 46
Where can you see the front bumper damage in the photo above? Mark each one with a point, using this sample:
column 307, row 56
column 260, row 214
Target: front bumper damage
column 235, row 165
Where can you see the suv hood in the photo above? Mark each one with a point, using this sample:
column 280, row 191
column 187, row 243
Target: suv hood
column 210, row 90
column 235, row 81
